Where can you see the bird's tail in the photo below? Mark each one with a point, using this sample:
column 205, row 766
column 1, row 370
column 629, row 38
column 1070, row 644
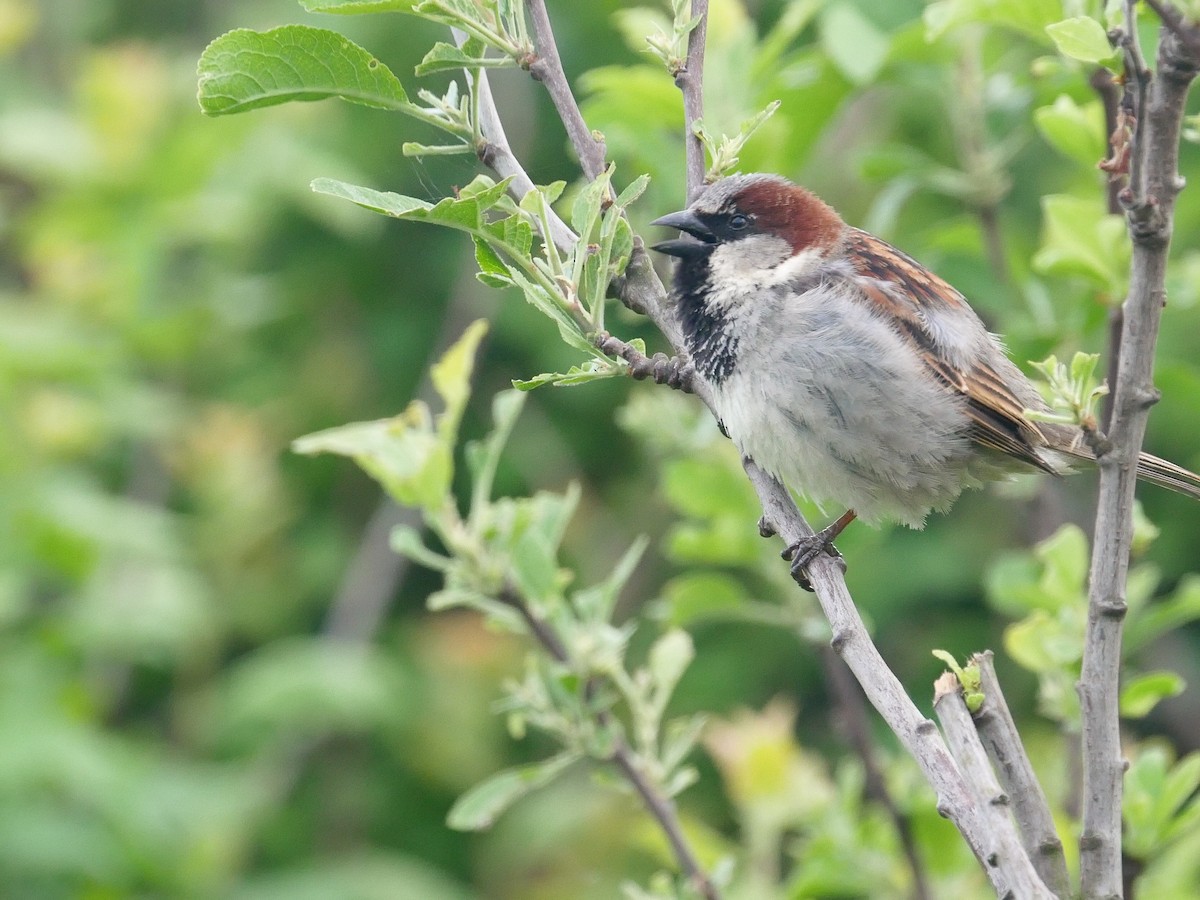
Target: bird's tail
column 1168, row 475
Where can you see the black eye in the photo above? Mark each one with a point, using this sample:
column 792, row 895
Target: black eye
column 738, row 222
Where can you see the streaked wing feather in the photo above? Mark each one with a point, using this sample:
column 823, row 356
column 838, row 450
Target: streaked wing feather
column 997, row 417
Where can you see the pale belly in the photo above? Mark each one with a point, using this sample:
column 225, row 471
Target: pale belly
column 849, row 419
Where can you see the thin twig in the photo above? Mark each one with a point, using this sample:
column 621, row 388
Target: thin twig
column 1024, row 882
column 690, row 81
column 1110, row 96
column 999, row 735
column 848, row 700
column 1149, row 202
column 547, row 69
column 660, row 806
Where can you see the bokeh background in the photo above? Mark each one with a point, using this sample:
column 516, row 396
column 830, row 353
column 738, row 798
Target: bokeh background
column 215, row 678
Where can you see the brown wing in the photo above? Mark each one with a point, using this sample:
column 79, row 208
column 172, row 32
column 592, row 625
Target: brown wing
column 997, row 416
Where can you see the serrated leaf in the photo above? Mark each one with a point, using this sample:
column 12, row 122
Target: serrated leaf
column 593, row 370
column 596, row 603
column 244, row 69
column 1145, row 692
column 355, row 7
column 479, row 807
column 633, row 191
column 1081, row 38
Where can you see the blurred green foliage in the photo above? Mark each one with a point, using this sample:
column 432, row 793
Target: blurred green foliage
column 215, row 680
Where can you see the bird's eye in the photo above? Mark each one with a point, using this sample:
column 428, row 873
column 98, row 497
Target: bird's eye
column 738, row 222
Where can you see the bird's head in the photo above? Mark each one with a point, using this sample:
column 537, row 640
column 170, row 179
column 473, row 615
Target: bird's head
column 745, row 224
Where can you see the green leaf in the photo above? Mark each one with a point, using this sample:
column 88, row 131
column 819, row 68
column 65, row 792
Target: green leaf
column 410, row 454
column 1043, row 644
column 855, row 46
column 1081, row 38
column 451, row 377
column 445, row 56
column 595, row 604
column 1080, row 238
column 464, row 212
column 1179, row 609
column 406, row 541
column 633, row 191
column 1073, row 130
column 479, row 807
column 492, row 270
column 484, row 457
column 1145, row 692
column 355, row 7
column 552, row 306
column 669, row 658
column 592, row 370
column 245, row 69
column 701, row 595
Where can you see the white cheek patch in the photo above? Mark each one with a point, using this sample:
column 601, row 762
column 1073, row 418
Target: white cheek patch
column 740, row 269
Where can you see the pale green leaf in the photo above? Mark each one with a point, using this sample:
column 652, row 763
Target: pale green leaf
column 479, row 807
column 245, row 69
column 1145, row 692
column 445, row 56
column 855, row 46
column 1075, row 131
column 1081, row 38
column 669, row 658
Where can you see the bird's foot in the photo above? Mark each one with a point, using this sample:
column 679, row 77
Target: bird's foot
column 804, row 551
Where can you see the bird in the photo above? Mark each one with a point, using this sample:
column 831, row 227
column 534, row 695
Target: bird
column 849, row 371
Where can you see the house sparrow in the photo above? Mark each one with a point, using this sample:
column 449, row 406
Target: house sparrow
column 848, row 370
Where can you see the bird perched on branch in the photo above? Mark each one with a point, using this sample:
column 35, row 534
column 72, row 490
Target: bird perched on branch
column 848, row 370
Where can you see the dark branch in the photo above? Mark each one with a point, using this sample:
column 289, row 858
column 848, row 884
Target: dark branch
column 690, row 80
column 623, row 757
column 1149, row 201
column 547, row 69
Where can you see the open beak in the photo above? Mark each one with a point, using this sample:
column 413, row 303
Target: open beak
column 685, row 220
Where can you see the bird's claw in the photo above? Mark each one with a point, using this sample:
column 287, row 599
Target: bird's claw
column 804, row 551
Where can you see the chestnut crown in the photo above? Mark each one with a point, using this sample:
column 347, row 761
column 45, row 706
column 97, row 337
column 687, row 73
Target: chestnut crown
column 740, row 206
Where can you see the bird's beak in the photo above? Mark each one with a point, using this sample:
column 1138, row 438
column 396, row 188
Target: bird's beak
column 687, row 221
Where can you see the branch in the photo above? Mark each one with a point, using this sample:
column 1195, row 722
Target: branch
column 547, row 69
column 1149, row 203
column 951, row 708
column 660, row 806
column 999, row 735
column 690, row 81
column 853, row 644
